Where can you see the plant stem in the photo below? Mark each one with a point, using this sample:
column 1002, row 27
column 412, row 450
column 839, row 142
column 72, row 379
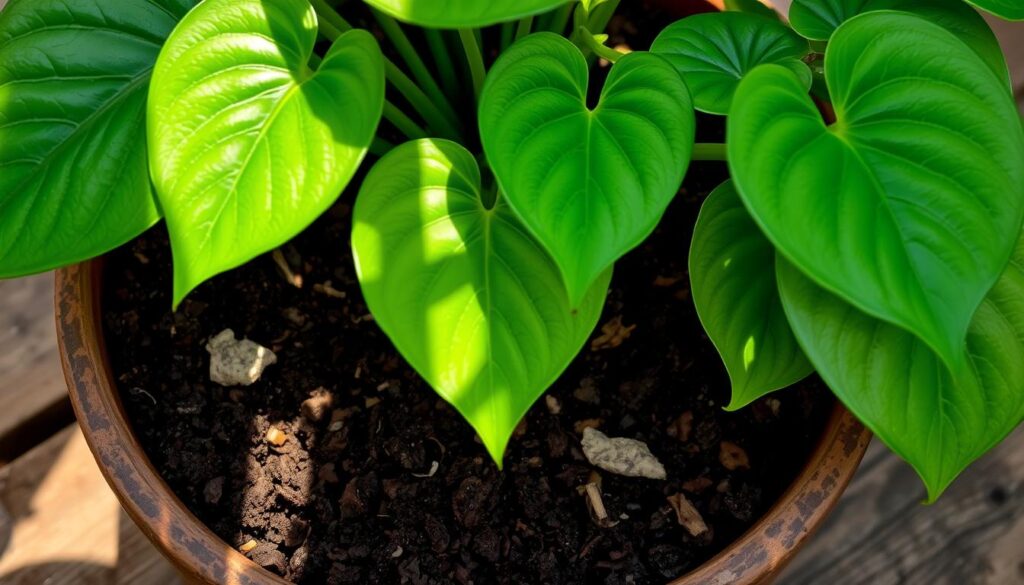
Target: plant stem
column 602, row 51
column 601, row 16
column 419, row 69
column 442, row 58
column 404, row 123
column 508, row 30
column 380, row 147
column 560, row 18
column 476, row 59
column 333, row 25
column 710, row 151
column 524, row 28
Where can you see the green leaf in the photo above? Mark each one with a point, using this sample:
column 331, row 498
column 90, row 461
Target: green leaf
column 902, row 391
column 732, row 276
column 1008, row 9
column 590, row 184
column 818, row 19
column 74, row 181
column 248, row 144
column 466, row 295
column 462, row 13
column 910, row 204
column 714, row 51
column 752, row 7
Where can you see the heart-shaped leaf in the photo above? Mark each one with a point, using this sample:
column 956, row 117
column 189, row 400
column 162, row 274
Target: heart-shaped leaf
column 74, row 178
column 902, row 391
column 248, row 144
column 1008, row 9
column 818, row 19
column 714, row 51
column 590, row 184
column 732, row 276
column 752, row 7
column 462, row 13
column 909, row 206
column 467, row 296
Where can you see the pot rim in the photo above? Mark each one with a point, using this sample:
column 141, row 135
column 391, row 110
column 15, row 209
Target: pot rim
column 761, row 552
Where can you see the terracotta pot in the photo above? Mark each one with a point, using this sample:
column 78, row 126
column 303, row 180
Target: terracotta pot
column 202, row 557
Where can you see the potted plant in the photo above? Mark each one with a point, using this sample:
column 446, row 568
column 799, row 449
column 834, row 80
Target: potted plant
column 869, row 232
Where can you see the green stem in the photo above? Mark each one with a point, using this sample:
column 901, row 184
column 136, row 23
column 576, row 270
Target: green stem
column 333, row 25
column 524, row 28
column 419, row 69
column 560, row 18
column 710, row 151
column 477, row 68
column 404, row 123
column 508, row 31
column 443, row 59
column 380, row 147
column 602, row 51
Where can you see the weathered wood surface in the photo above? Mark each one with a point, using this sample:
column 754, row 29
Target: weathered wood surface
column 33, row 397
column 61, row 525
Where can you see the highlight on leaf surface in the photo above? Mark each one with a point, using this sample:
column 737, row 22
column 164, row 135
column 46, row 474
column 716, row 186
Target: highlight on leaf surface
column 899, row 387
column 909, row 206
column 73, row 82
column 468, row 297
column 732, row 277
column 714, row 51
column 589, row 184
column 249, row 144
column 462, row 13
column 818, row 19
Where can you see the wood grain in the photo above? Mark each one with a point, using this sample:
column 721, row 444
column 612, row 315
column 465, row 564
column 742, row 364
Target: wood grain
column 61, row 525
column 881, row 534
column 33, row 396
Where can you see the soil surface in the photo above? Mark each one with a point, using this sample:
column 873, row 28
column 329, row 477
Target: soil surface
column 341, row 466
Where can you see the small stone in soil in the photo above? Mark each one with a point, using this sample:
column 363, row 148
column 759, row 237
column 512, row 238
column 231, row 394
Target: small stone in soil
column 213, row 490
column 236, row 362
column 276, row 437
column 682, row 426
column 554, row 406
column 621, row 456
column 687, row 515
column 360, row 496
column 316, row 407
column 732, row 456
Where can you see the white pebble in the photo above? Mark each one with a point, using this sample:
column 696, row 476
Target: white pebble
column 237, row 362
column 621, row 456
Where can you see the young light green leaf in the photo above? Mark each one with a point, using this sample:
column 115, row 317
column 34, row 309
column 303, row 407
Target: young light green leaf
column 901, row 390
column 818, row 19
column 471, row 300
column 732, row 276
column 248, row 144
column 915, row 195
column 462, row 13
column 74, row 178
column 714, row 51
column 1007, row 9
column 752, row 7
column 590, row 184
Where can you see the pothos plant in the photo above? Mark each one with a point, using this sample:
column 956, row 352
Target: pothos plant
column 870, row 231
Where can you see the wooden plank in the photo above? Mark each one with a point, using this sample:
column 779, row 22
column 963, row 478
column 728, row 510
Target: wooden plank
column 33, row 396
column 61, row 525
column 881, row 534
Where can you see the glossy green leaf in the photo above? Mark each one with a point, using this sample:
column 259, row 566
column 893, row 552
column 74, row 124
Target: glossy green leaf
column 818, row 19
column 74, row 181
column 1008, row 9
column 462, row 13
column 732, row 277
column 714, row 51
column 902, row 391
column 248, row 143
column 467, row 296
column 752, row 7
column 910, row 204
column 590, row 184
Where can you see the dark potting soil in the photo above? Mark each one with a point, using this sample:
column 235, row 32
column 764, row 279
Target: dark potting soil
column 379, row 481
